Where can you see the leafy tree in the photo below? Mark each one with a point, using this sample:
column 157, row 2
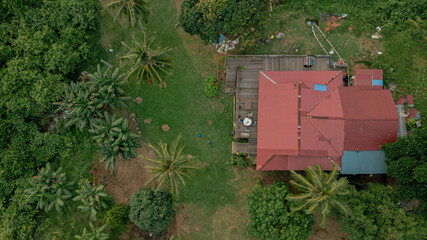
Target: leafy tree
column 374, row 215
column 104, row 130
column 80, row 104
column 147, row 62
column 18, row 219
column 151, row 210
column 171, row 165
column 94, row 233
column 109, row 87
column 49, row 189
column 243, row 19
column 91, row 198
column 271, row 217
column 6, row 128
column 407, row 161
column 320, row 191
column 117, row 217
column 131, row 9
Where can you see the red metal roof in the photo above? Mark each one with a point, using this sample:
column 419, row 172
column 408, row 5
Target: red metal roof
column 364, row 77
column 299, row 126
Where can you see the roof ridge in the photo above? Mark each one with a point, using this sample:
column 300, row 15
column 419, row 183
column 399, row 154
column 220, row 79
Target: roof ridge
column 330, row 144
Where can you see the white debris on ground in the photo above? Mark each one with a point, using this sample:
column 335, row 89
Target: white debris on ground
column 226, row 46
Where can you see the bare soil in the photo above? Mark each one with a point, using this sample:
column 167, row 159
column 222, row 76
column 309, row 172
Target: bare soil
column 129, row 177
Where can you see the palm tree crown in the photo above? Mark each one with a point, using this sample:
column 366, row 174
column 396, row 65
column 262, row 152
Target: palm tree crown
column 146, row 62
column 131, row 9
column 319, row 191
column 171, row 165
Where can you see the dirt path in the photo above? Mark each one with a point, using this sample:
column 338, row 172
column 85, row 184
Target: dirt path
column 129, row 177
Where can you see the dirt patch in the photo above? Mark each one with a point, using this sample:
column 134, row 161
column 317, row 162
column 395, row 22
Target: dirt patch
column 134, row 232
column 129, row 177
column 138, row 100
column 147, row 121
column 332, row 231
column 165, row 127
column 210, row 122
column 330, row 26
column 369, row 46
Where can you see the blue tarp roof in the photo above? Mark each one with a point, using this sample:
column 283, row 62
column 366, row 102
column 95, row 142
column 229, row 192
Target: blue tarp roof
column 363, row 162
column 320, row 87
column 377, row 83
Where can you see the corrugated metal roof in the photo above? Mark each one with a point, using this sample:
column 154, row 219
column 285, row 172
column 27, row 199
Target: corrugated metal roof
column 363, row 162
column 368, row 78
column 297, row 124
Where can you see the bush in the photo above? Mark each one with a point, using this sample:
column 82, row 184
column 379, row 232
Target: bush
column 117, row 217
column 373, row 215
column 270, row 215
column 406, row 161
column 232, row 18
column 238, row 160
column 151, row 210
column 211, row 86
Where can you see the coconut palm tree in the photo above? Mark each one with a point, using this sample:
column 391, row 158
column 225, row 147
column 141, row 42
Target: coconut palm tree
column 94, row 233
column 146, row 62
column 131, row 9
column 171, row 165
column 109, row 87
column 320, row 191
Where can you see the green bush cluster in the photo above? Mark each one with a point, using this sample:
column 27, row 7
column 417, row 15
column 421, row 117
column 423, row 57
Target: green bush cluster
column 211, row 86
column 238, row 160
column 374, row 215
column 270, row 215
column 117, row 217
column 241, row 19
column 406, row 162
column 151, row 210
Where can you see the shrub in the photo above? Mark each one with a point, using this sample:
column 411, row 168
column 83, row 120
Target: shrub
column 211, row 86
column 117, row 217
column 373, row 215
column 233, row 18
column 151, row 210
column 270, row 215
column 238, row 160
column 406, row 159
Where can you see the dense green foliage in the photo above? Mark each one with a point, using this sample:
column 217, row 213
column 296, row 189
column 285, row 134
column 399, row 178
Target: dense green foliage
column 271, row 217
column 151, row 210
column 117, row 217
column 18, row 220
column 407, row 162
column 235, row 19
column 91, row 198
column 94, row 233
column 320, row 191
column 238, row 160
column 373, row 215
column 171, row 166
column 49, row 189
column 211, row 86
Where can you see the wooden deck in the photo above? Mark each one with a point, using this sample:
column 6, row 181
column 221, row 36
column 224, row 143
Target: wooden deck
column 242, row 79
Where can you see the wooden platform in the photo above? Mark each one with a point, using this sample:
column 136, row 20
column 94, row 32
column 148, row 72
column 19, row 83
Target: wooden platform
column 242, row 79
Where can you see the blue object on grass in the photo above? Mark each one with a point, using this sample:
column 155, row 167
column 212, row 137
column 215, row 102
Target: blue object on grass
column 200, row 135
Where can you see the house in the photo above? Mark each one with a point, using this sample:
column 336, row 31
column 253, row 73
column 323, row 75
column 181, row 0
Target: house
column 307, row 116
